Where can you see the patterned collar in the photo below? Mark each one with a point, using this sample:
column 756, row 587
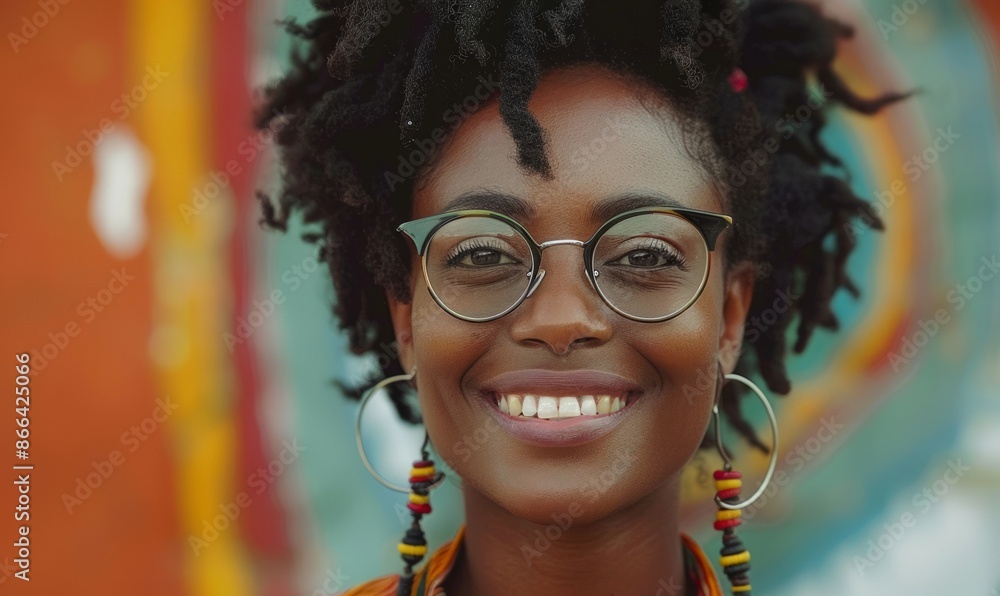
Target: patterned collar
column 700, row 575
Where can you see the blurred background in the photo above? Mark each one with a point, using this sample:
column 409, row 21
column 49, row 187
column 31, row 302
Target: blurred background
column 186, row 434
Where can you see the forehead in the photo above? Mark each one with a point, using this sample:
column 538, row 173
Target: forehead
column 602, row 142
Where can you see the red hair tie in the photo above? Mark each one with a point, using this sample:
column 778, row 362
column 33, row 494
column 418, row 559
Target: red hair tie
column 738, row 80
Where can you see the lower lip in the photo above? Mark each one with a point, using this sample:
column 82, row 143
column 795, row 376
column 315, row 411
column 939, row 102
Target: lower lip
column 564, row 432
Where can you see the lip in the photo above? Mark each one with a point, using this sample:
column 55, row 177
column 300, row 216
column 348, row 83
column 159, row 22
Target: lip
column 575, row 382
column 564, row 432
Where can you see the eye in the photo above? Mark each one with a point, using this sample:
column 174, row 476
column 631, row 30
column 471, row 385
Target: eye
column 649, row 253
column 481, row 252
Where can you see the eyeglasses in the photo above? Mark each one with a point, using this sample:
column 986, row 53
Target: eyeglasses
column 647, row 264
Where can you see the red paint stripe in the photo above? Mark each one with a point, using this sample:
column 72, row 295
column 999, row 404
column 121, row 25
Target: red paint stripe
column 264, row 524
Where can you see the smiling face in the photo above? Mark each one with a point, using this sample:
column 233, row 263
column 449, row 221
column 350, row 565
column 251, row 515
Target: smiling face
column 609, row 153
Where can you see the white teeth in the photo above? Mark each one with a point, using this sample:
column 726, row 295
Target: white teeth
column 528, row 407
column 569, row 406
column 548, row 407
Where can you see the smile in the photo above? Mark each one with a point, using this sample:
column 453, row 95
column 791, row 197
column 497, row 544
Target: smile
column 549, row 407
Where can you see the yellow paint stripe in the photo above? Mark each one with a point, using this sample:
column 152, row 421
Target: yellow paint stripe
column 190, row 267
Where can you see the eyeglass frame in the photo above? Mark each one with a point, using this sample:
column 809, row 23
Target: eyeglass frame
column 420, row 231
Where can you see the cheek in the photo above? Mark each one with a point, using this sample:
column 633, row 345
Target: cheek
column 686, row 349
column 685, row 353
column 444, row 348
column 442, row 343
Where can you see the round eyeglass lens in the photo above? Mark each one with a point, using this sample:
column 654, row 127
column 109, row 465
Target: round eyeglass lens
column 652, row 265
column 478, row 267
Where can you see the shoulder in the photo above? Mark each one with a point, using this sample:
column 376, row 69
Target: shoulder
column 426, row 580
column 382, row 586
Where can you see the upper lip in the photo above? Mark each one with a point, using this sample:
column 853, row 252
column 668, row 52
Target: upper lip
column 562, row 382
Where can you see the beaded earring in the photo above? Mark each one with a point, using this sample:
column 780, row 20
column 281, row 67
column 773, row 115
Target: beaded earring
column 423, row 477
column 734, row 557
column 413, row 547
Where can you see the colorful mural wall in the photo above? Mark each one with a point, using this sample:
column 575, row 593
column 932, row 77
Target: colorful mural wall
column 185, row 433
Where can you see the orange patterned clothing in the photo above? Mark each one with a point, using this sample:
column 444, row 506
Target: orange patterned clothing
column 429, row 578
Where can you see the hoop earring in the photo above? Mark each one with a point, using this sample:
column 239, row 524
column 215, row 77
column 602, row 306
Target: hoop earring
column 423, row 478
column 734, row 557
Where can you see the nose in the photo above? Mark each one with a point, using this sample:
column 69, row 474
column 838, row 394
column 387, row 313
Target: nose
column 563, row 311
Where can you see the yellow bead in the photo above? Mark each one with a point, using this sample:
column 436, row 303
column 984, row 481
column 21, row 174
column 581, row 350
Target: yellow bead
column 427, row 471
column 724, row 514
column 419, row 499
column 727, row 484
column 745, row 588
column 412, row 549
column 743, row 557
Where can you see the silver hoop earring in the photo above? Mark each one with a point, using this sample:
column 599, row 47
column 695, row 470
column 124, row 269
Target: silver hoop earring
column 361, row 447
column 734, row 557
column 423, row 477
column 722, row 451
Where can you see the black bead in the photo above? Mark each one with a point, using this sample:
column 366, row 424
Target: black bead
column 415, row 537
column 736, row 569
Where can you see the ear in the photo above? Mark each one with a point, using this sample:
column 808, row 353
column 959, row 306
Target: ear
column 736, row 304
column 402, row 324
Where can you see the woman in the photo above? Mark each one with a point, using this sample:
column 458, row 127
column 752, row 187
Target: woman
column 566, row 213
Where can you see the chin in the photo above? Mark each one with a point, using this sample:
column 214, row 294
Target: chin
column 562, row 490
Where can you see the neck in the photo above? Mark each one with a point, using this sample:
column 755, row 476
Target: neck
column 635, row 550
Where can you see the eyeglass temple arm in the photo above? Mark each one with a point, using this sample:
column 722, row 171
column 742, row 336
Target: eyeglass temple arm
column 419, row 231
column 711, row 225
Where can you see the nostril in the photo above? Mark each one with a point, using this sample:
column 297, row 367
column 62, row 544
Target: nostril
column 583, row 342
column 564, row 349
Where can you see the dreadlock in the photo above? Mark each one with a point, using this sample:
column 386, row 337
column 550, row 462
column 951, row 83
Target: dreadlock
column 354, row 113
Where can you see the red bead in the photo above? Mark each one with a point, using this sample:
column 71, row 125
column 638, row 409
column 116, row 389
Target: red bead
column 738, row 80
column 419, row 507
column 426, row 463
column 723, row 475
column 727, row 523
column 415, row 479
column 729, row 493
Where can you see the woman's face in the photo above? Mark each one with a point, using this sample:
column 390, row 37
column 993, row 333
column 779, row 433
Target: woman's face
column 564, row 340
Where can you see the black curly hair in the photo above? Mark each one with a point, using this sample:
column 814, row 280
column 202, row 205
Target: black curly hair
column 354, row 115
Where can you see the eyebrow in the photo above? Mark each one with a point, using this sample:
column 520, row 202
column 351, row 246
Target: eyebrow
column 493, row 200
column 518, row 208
column 607, row 208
